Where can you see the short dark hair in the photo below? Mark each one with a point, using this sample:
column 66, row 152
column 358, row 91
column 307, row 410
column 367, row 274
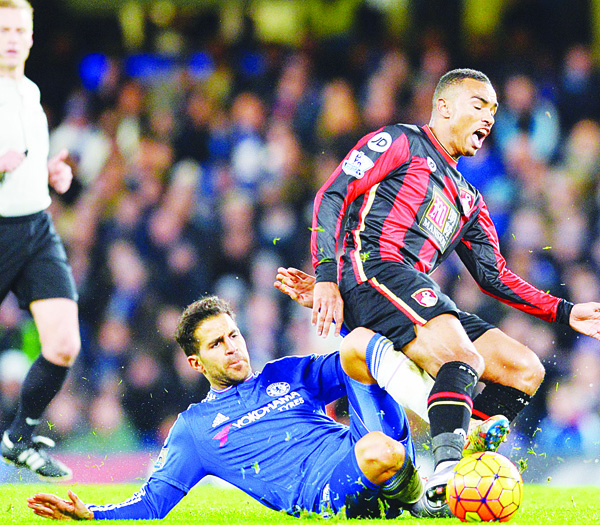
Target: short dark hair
column 455, row 77
column 193, row 315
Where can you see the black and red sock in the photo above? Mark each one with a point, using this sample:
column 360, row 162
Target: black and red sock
column 500, row 399
column 449, row 408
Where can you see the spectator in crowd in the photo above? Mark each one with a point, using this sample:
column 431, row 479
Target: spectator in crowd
column 529, row 113
column 578, row 85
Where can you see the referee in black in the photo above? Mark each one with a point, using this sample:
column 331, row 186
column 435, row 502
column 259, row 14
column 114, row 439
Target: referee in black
column 33, row 262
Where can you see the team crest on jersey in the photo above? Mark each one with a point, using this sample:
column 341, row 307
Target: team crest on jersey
column 380, row 142
column 440, row 220
column 278, row 389
column 357, row 164
column 467, row 201
column 431, row 164
column 425, row 297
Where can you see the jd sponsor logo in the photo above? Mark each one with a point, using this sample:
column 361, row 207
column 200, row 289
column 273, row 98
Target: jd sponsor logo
column 380, row 142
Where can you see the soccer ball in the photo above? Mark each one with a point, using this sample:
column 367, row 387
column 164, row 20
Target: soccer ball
column 486, row 486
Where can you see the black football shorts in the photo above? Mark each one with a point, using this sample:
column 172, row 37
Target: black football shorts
column 33, row 262
column 399, row 298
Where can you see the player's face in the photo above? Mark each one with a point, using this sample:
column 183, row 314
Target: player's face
column 471, row 106
column 16, row 39
column 222, row 354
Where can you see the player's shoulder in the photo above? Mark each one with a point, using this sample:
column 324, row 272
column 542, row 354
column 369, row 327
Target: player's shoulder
column 290, row 367
column 202, row 414
column 410, row 129
column 284, row 364
column 396, row 130
column 192, row 410
column 293, row 361
column 381, row 140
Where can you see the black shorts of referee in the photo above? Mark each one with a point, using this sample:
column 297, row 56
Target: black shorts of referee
column 33, row 261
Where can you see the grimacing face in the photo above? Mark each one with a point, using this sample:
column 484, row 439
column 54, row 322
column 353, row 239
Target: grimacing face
column 222, row 354
column 16, row 39
column 471, row 106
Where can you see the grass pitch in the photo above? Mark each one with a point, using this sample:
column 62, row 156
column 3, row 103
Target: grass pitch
column 208, row 505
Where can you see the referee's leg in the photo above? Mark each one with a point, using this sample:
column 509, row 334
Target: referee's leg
column 58, row 326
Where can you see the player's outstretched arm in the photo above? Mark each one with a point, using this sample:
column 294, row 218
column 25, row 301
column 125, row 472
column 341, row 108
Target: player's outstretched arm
column 296, row 284
column 585, row 318
column 55, row 508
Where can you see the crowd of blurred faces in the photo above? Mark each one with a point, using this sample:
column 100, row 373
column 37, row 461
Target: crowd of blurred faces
column 196, row 163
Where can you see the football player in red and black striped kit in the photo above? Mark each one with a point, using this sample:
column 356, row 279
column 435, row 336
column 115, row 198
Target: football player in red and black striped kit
column 407, row 208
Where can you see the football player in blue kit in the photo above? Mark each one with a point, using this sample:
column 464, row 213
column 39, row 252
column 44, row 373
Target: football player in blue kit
column 268, row 434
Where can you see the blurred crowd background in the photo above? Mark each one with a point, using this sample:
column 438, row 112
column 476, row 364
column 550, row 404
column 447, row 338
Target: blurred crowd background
column 199, row 133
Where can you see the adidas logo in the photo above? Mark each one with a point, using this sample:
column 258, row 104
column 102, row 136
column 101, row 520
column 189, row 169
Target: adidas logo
column 219, row 418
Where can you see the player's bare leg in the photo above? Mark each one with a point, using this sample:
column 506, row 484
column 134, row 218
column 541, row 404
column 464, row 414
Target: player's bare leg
column 57, row 323
column 509, row 363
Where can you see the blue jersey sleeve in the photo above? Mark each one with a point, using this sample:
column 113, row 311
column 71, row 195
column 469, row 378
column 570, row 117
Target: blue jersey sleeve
column 180, row 463
column 176, row 471
column 153, row 501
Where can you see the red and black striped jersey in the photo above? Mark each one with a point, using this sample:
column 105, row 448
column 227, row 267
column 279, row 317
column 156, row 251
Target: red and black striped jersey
column 399, row 198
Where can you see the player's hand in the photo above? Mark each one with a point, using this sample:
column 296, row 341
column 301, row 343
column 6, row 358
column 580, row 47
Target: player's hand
column 585, row 318
column 296, row 284
column 11, row 160
column 55, row 508
column 328, row 306
column 59, row 172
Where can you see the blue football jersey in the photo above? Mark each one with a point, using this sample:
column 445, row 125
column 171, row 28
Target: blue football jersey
column 268, row 436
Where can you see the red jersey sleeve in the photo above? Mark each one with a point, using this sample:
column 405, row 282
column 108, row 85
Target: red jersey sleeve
column 479, row 250
column 374, row 157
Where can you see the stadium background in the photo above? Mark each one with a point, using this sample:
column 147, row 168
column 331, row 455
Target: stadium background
column 199, row 133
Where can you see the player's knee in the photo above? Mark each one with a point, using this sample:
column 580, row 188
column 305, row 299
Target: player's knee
column 353, row 351
column 469, row 355
column 354, row 345
column 63, row 350
column 379, row 452
column 529, row 373
column 477, row 362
